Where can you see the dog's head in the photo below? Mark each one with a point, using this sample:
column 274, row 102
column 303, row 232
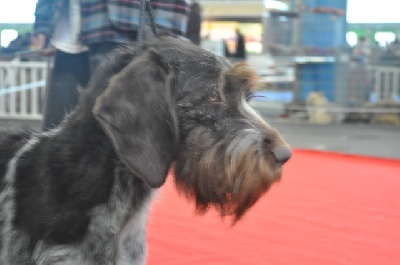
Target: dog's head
column 176, row 104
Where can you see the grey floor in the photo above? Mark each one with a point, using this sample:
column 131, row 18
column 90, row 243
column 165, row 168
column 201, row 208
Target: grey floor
column 364, row 139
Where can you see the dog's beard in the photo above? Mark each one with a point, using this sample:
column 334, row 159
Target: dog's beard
column 229, row 174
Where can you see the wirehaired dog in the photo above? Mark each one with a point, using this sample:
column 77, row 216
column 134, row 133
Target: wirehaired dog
column 80, row 194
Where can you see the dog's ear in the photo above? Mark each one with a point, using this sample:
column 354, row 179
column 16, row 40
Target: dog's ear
column 137, row 112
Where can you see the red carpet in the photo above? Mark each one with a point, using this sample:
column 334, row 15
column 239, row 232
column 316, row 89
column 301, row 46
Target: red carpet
column 328, row 209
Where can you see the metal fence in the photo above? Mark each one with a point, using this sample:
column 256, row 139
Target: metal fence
column 22, row 89
column 386, row 82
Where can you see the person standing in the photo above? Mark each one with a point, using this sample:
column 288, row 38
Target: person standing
column 361, row 51
column 106, row 24
column 57, row 24
column 95, row 27
column 240, row 46
column 194, row 23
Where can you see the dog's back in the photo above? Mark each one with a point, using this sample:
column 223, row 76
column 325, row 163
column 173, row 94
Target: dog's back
column 10, row 143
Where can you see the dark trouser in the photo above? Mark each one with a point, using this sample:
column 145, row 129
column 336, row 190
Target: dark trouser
column 69, row 72
column 98, row 53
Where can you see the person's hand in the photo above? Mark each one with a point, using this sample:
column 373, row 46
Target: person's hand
column 39, row 45
column 39, row 42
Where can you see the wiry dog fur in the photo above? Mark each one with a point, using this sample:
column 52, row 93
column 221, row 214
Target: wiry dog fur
column 80, row 194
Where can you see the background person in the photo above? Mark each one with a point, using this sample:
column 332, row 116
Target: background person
column 57, row 22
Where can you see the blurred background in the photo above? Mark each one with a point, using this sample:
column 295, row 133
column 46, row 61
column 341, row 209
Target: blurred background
column 328, row 68
column 329, row 82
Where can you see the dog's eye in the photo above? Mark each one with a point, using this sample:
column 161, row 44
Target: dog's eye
column 215, row 98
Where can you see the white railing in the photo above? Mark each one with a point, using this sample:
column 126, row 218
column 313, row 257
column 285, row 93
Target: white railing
column 386, row 83
column 22, row 89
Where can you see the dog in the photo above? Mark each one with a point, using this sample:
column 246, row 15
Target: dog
column 81, row 193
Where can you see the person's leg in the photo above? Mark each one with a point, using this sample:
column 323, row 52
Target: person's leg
column 98, row 52
column 69, row 71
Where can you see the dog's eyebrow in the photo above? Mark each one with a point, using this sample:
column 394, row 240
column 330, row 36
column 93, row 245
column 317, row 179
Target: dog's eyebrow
column 242, row 78
column 243, row 71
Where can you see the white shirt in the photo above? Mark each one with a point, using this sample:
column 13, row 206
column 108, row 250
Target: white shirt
column 67, row 29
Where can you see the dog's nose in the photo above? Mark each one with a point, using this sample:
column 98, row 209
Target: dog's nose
column 281, row 154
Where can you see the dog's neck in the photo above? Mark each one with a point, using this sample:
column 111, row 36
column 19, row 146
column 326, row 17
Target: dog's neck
column 123, row 216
